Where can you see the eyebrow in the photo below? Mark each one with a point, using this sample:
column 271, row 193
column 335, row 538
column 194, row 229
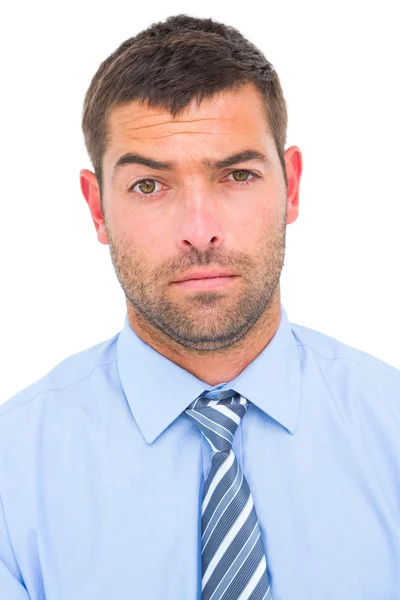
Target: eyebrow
column 208, row 163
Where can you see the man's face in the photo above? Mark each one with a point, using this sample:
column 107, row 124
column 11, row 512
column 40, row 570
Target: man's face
column 194, row 217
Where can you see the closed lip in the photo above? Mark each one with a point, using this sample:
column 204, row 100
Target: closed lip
column 204, row 275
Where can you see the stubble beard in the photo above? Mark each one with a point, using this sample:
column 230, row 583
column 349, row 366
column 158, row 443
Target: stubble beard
column 206, row 321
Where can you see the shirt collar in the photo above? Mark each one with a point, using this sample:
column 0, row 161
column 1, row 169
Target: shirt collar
column 158, row 390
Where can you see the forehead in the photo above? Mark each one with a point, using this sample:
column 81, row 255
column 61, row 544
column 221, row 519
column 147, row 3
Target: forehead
column 227, row 120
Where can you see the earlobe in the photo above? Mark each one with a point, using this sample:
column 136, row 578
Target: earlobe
column 101, row 234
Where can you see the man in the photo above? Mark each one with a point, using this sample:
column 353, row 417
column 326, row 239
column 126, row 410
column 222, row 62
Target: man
column 211, row 449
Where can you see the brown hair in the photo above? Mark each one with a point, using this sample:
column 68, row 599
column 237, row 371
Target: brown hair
column 169, row 64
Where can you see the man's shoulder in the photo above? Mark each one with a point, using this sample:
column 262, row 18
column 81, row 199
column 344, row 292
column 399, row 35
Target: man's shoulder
column 330, row 348
column 345, row 366
column 69, row 372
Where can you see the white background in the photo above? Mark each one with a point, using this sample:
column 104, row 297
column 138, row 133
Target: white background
column 339, row 69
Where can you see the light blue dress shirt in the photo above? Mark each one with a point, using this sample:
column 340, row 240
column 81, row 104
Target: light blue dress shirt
column 101, row 473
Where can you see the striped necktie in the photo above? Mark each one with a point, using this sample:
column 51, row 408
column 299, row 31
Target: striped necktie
column 233, row 558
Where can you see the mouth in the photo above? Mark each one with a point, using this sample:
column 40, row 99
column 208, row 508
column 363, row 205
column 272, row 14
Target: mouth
column 206, row 283
column 205, row 274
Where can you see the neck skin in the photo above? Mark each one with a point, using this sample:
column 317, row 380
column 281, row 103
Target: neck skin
column 218, row 366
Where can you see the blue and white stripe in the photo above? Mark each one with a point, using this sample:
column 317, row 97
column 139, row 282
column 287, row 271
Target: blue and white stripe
column 233, row 559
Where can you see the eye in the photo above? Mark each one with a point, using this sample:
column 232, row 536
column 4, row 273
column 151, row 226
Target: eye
column 242, row 176
column 145, row 187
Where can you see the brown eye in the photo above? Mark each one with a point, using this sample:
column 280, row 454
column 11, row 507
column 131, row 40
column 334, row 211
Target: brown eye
column 147, row 186
column 240, row 175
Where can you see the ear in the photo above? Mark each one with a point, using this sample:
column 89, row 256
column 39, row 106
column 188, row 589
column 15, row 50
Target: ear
column 91, row 193
column 294, row 168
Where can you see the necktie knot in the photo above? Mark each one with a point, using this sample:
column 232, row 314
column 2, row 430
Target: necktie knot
column 218, row 414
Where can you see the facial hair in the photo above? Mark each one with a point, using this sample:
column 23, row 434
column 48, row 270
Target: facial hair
column 205, row 321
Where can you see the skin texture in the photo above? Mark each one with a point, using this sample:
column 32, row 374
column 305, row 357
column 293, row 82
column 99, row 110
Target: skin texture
column 193, row 218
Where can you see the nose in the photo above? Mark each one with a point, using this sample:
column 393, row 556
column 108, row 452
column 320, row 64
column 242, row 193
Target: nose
column 201, row 221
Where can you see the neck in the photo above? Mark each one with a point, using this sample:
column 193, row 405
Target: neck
column 213, row 367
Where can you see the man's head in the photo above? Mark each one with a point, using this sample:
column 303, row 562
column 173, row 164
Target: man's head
column 186, row 125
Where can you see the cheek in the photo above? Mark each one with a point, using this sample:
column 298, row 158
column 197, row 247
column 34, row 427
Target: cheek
column 130, row 227
column 146, row 244
column 260, row 216
column 270, row 207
